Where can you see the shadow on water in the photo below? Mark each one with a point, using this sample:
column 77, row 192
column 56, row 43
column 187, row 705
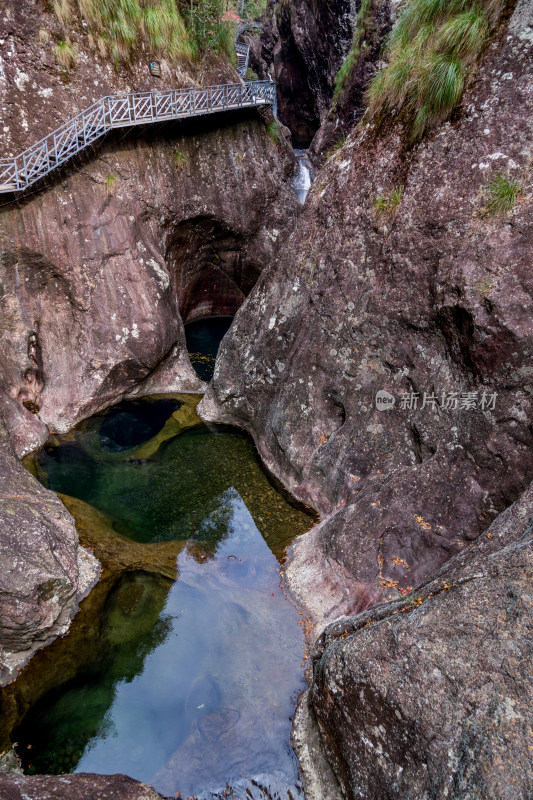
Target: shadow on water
column 203, row 338
column 188, row 685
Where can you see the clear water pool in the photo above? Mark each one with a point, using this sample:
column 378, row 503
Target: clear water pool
column 191, row 684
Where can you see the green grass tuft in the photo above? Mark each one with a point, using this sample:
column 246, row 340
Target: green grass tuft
column 180, row 159
column 110, row 183
column 44, row 36
column 120, row 27
column 462, row 34
column 254, row 9
column 502, row 193
column 339, row 144
column 66, row 54
column 62, row 10
column 273, row 132
column 430, row 53
column 212, row 27
column 343, row 75
column 388, row 203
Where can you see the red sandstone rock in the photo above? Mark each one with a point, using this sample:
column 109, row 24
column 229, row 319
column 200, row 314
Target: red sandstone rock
column 434, row 299
column 81, row 787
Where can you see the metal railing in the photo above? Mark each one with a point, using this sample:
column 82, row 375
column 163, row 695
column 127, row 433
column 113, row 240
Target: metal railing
column 119, row 111
column 243, row 57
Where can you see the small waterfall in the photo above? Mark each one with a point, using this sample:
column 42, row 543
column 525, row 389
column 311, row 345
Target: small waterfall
column 301, row 182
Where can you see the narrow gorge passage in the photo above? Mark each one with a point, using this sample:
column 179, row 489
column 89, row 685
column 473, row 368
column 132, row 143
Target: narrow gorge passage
column 361, row 308
column 203, row 338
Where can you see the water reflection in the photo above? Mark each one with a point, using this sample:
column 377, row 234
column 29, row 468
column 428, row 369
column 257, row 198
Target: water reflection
column 191, row 697
column 192, row 683
column 171, row 487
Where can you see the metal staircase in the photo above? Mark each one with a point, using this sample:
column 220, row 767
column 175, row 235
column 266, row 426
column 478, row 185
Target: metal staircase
column 121, row 111
column 243, row 56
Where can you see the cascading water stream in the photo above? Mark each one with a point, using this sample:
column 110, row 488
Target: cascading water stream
column 303, row 178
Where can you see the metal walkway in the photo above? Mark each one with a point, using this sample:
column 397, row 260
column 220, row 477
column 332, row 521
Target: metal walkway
column 121, row 111
column 243, row 56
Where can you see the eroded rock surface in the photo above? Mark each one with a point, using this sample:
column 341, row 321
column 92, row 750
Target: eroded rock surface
column 44, row 572
column 430, row 696
column 433, row 299
column 95, row 270
column 82, row 787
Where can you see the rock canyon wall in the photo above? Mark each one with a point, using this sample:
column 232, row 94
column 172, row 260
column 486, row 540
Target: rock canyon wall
column 99, row 269
column 429, row 302
column 416, row 576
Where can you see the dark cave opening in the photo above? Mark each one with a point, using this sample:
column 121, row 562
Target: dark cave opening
column 214, row 275
column 203, row 338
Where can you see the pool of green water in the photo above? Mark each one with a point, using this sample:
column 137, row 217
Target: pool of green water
column 203, row 339
column 193, row 682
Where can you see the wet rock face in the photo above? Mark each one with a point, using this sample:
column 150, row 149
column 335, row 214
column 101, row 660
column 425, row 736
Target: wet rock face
column 82, row 787
column 303, row 45
column 430, row 696
column 45, row 572
column 434, row 299
column 96, row 268
column 349, row 105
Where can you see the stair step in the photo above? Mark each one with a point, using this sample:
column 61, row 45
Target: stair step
column 68, row 142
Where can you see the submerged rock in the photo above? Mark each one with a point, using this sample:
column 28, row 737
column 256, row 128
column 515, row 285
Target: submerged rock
column 213, row 725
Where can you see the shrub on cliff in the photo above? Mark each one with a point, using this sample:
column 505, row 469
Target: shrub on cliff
column 119, row 27
column 341, row 79
column 430, row 54
column 66, row 54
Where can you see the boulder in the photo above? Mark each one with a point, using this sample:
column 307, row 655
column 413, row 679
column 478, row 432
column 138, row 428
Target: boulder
column 45, row 571
column 430, row 696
